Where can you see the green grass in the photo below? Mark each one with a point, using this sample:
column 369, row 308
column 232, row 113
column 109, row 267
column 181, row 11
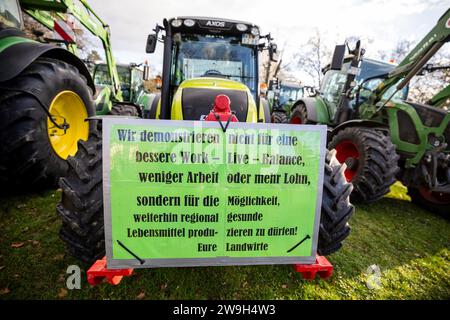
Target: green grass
column 411, row 247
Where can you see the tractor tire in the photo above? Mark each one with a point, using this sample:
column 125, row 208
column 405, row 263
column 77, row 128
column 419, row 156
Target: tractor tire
column 279, row 117
column 336, row 207
column 299, row 115
column 127, row 110
column 371, row 161
column 33, row 151
column 81, row 206
column 435, row 202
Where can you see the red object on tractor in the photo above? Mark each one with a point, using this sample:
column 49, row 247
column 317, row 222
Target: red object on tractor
column 98, row 272
column 322, row 266
column 221, row 110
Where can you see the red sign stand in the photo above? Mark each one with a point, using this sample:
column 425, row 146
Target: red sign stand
column 98, row 272
column 322, row 266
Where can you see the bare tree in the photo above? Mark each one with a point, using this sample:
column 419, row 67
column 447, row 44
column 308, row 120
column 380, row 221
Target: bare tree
column 35, row 30
column 398, row 53
column 313, row 56
column 424, row 87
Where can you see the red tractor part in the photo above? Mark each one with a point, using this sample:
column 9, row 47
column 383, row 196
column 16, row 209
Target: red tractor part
column 98, row 272
column 347, row 152
column 322, row 266
column 296, row 120
column 221, row 110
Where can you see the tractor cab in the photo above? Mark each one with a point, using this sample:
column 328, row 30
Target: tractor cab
column 205, row 57
column 289, row 93
column 283, row 93
column 10, row 15
column 347, row 85
column 130, row 76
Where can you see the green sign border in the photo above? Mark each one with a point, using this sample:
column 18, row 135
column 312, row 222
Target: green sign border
column 197, row 262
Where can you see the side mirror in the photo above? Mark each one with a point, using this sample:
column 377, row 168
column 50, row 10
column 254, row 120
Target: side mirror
column 273, row 52
column 146, row 74
column 151, row 43
column 338, row 57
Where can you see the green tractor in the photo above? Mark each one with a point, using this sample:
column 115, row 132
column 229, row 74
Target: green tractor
column 203, row 58
column 376, row 132
column 119, row 89
column 46, row 92
column 134, row 98
column 281, row 96
column 45, row 97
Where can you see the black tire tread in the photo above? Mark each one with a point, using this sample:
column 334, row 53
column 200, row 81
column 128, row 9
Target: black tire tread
column 24, row 157
column 81, row 206
column 279, row 117
column 379, row 167
column 125, row 110
column 301, row 112
column 336, row 207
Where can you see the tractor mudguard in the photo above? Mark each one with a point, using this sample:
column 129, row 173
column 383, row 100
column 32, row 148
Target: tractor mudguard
column 103, row 103
column 15, row 58
column 264, row 111
column 155, row 105
column 316, row 109
column 356, row 123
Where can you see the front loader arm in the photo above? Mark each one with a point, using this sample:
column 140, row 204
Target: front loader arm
column 411, row 65
column 46, row 11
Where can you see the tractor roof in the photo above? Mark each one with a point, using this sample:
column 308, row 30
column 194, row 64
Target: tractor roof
column 291, row 84
column 212, row 25
column 386, row 65
column 214, row 19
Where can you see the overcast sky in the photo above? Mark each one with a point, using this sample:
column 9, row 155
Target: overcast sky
column 379, row 23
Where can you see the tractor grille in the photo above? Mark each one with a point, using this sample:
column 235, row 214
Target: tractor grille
column 430, row 116
column 198, row 102
column 407, row 130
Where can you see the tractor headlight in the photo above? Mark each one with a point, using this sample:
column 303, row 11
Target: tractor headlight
column 177, row 23
column 189, row 23
column 255, row 31
column 241, row 27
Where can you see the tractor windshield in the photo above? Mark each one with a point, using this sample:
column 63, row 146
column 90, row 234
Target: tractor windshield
column 290, row 93
column 373, row 68
column 196, row 55
column 376, row 70
column 102, row 77
column 334, row 82
column 9, row 14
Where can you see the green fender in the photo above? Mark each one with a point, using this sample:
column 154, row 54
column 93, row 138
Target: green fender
column 356, row 123
column 145, row 100
column 17, row 52
column 316, row 109
column 103, row 103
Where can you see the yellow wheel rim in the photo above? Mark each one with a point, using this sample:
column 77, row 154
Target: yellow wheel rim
column 67, row 108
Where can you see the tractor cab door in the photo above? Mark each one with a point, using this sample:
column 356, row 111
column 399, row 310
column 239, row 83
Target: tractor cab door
column 137, row 84
column 101, row 78
column 332, row 86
